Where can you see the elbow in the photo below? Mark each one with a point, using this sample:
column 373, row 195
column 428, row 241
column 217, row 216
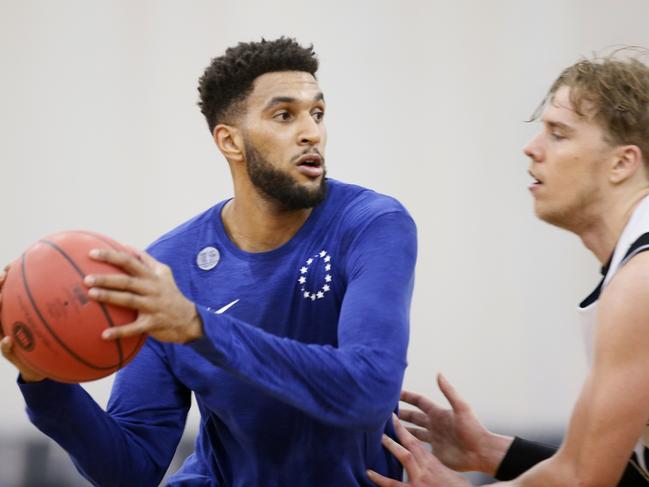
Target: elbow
column 570, row 474
column 368, row 417
column 119, row 478
column 121, row 473
column 367, row 393
column 374, row 401
column 586, row 480
column 587, row 474
column 591, row 483
column 378, row 418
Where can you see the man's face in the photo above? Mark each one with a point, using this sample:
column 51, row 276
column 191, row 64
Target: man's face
column 568, row 164
column 285, row 138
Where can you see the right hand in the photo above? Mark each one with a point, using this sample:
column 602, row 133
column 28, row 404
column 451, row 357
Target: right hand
column 421, row 466
column 456, row 435
column 6, row 345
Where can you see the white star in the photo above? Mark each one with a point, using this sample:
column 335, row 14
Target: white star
column 328, row 278
column 302, row 280
column 313, row 297
column 326, row 287
column 308, row 262
column 303, row 270
column 327, row 258
column 323, row 253
column 320, row 295
column 306, row 294
column 328, row 267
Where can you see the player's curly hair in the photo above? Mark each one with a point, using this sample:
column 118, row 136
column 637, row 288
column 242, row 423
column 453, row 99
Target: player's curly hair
column 614, row 90
column 229, row 78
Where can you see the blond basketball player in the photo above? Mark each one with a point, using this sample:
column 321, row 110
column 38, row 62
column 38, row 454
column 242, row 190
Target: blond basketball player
column 589, row 165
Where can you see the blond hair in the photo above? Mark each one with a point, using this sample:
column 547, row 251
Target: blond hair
column 614, row 91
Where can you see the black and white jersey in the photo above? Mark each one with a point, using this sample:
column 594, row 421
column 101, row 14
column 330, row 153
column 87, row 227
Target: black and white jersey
column 633, row 240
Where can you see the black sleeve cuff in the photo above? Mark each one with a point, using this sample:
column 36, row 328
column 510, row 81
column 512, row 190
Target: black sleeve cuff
column 521, row 456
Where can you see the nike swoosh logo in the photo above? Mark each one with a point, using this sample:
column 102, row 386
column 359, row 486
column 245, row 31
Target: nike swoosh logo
column 226, row 307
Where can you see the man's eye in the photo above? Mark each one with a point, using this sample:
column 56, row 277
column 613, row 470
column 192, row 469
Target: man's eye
column 318, row 115
column 557, row 136
column 282, row 116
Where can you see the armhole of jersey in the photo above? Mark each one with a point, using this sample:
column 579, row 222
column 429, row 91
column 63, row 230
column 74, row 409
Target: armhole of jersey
column 592, row 297
column 641, row 244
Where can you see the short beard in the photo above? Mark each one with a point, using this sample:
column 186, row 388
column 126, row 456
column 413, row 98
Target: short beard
column 279, row 185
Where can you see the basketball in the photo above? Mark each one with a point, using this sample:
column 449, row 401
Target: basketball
column 55, row 326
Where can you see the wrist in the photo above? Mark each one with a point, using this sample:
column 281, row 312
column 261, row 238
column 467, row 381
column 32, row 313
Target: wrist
column 493, row 451
column 195, row 328
column 29, row 378
column 521, row 456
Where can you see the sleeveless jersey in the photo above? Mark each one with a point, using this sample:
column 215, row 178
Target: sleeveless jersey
column 634, row 239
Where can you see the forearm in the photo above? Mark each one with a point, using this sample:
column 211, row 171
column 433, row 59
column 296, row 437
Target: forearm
column 99, row 448
column 133, row 441
column 553, row 472
column 349, row 386
column 556, row 471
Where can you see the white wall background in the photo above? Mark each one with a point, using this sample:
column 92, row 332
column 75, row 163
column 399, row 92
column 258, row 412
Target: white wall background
column 426, row 101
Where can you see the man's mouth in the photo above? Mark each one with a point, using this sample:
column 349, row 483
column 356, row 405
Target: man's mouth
column 535, row 181
column 312, row 160
column 311, row 165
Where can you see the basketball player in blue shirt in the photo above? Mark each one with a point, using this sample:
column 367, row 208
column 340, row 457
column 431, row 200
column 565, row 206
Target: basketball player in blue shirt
column 590, row 171
column 284, row 310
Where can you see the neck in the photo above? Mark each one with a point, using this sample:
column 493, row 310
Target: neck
column 257, row 224
column 601, row 235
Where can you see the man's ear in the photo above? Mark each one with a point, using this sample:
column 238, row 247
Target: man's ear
column 229, row 141
column 628, row 160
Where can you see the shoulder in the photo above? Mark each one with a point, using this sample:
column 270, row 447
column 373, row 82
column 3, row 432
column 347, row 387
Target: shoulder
column 359, row 206
column 623, row 309
column 184, row 236
column 370, row 223
column 631, row 280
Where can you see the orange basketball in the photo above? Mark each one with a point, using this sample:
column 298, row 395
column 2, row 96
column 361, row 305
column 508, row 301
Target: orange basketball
column 55, row 326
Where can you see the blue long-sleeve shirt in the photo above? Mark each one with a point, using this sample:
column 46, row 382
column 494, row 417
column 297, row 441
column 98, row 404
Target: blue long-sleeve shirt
column 295, row 380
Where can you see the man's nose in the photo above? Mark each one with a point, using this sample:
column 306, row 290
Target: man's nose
column 310, row 131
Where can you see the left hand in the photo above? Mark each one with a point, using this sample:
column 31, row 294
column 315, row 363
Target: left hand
column 149, row 288
column 456, row 436
column 422, row 467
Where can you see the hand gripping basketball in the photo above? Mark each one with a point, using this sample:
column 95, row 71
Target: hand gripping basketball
column 54, row 328
column 6, row 345
column 148, row 287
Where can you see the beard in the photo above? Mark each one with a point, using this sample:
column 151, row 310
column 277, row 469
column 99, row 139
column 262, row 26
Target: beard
column 279, row 185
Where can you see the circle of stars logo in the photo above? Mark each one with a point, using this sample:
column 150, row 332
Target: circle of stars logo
column 304, row 271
